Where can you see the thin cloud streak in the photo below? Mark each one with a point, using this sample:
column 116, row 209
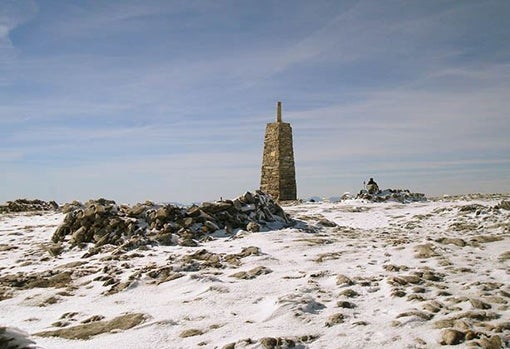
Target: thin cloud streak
column 370, row 89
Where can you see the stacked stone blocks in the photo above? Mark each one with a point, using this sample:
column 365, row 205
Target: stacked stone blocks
column 278, row 177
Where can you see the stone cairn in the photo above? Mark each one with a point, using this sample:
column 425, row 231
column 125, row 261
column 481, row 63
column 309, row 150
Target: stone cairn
column 25, row 205
column 278, row 177
column 395, row 195
column 104, row 222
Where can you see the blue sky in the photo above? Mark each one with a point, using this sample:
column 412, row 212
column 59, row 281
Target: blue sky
column 168, row 100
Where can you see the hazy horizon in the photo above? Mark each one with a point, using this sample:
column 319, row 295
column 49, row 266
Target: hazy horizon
column 168, row 101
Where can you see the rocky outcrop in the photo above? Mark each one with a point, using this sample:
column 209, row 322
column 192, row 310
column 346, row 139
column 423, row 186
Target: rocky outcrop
column 25, row 205
column 88, row 330
column 398, row 195
column 15, row 338
column 104, row 222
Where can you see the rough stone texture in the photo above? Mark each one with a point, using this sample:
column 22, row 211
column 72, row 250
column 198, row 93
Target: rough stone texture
column 25, row 205
column 278, row 177
column 86, row 331
column 14, row 338
column 398, row 195
column 452, row 337
column 103, row 222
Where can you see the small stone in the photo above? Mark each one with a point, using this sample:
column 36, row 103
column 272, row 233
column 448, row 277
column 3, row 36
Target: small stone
column 253, row 227
column 461, row 325
column 493, row 342
column 345, row 304
column 425, row 251
column 415, row 297
column 431, row 308
column 452, row 337
column 395, row 280
column 470, row 335
column 478, row 304
column 250, row 251
column 398, row 293
column 412, row 279
column 327, row 223
column 350, row 293
column 335, row 319
column 253, row 273
column 443, row 323
column 277, row 343
column 451, row 241
column 61, row 324
column 190, row 333
column 342, row 280
column 420, row 314
column 93, row 319
column 418, row 289
column 431, row 276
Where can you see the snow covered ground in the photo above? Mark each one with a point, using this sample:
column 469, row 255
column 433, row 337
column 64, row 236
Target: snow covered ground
column 352, row 274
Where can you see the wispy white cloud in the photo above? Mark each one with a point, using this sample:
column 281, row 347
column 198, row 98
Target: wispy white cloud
column 164, row 92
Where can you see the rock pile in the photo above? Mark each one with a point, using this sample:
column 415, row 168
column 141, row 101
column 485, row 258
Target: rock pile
column 104, row 222
column 398, row 195
column 25, row 205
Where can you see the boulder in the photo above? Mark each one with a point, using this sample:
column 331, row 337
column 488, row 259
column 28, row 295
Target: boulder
column 452, row 337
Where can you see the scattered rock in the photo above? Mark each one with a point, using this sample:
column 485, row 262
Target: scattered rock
column 253, row 227
column 419, row 314
column 452, row 241
column 252, row 274
column 350, row 293
column 452, row 337
column 342, row 280
column 504, row 205
column 326, row 223
column 478, row 304
column 443, row 323
column 345, row 304
column 191, row 333
column 398, row 293
column 86, row 331
column 425, row 251
column 335, row 319
column 504, row 256
column 493, row 342
column 433, row 306
column 93, row 319
column 277, row 343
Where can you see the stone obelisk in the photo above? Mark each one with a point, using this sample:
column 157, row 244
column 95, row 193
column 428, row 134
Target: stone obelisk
column 278, row 177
